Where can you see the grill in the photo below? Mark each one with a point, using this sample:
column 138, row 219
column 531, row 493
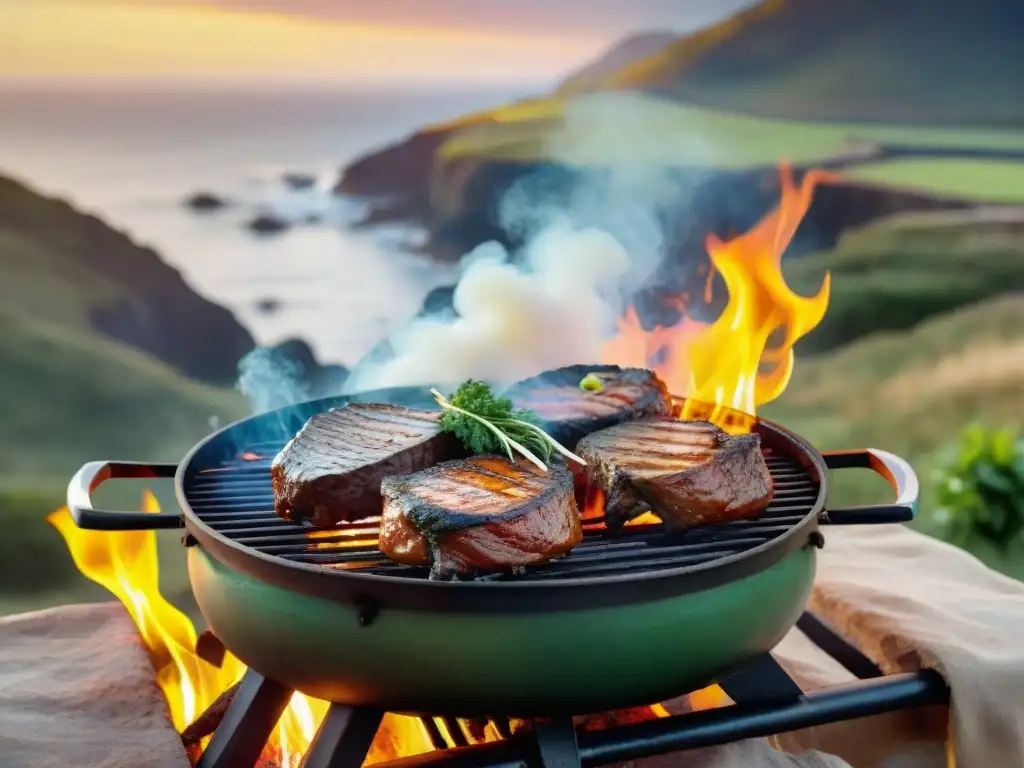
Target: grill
column 628, row 618
column 235, row 500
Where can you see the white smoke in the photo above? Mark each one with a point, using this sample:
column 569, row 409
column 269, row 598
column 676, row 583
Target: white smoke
column 514, row 320
column 587, row 248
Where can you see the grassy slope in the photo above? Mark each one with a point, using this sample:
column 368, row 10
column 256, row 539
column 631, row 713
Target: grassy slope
column 41, row 245
column 71, row 397
column 911, row 392
column 68, row 395
column 897, row 272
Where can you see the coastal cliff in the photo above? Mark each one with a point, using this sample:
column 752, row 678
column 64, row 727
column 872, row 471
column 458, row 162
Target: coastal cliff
column 66, row 266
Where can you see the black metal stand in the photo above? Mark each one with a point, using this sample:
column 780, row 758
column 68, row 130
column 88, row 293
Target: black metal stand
column 762, row 682
column 247, row 724
column 343, row 738
column 767, row 702
column 556, row 743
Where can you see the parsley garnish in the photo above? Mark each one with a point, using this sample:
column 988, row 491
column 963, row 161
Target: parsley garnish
column 486, row 423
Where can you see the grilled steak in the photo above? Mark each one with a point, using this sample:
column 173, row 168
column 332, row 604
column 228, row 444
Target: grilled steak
column 332, row 469
column 569, row 413
column 689, row 472
column 482, row 514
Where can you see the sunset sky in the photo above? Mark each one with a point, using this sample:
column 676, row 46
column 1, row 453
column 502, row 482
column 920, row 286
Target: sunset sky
column 343, row 39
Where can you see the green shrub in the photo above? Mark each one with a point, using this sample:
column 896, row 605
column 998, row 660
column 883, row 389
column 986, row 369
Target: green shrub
column 980, row 489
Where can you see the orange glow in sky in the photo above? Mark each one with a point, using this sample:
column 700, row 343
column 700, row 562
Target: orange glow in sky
column 118, row 37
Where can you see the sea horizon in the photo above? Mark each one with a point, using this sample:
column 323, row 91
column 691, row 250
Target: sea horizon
column 132, row 151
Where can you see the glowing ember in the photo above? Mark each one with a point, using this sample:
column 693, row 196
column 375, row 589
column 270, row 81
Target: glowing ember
column 745, row 358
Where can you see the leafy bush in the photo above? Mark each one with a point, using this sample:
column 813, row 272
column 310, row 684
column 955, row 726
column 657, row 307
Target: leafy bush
column 980, row 489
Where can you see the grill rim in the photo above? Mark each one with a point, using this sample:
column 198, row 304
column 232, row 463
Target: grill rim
column 370, row 591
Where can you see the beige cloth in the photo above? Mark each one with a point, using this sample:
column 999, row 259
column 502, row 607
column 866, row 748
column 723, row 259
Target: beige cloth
column 77, row 691
column 907, row 601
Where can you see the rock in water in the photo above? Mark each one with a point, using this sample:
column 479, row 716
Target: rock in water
column 268, row 224
column 205, row 201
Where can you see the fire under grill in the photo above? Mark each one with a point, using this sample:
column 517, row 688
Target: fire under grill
column 236, row 501
column 767, row 701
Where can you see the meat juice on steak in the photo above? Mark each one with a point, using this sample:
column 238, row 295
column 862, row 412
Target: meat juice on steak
column 331, row 471
column 689, row 472
column 569, row 413
column 478, row 515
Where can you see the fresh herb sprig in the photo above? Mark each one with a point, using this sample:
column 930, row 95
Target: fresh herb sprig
column 487, row 423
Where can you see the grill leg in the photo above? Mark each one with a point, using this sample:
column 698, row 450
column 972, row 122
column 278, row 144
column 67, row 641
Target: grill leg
column 436, row 737
column 344, row 737
column 826, row 638
column 247, row 724
column 761, row 682
column 556, row 742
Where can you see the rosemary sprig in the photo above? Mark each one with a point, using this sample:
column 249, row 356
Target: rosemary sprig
column 486, row 423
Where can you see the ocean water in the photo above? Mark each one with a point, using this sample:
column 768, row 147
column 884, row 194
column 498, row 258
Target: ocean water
column 132, row 154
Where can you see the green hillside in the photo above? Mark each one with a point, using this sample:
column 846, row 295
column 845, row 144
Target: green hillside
column 922, row 62
column 897, row 272
column 69, row 394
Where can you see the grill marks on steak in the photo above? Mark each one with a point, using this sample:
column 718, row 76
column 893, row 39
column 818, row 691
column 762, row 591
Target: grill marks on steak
column 570, row 413
column 689, row 472
column 331, row 471
column 478, row 515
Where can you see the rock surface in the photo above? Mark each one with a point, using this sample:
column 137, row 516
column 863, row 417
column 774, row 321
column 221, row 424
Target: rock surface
column 77, row 689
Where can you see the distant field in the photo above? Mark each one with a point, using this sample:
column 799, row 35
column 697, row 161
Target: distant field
column 994, row 181
column 634, row 130
column 631, row 127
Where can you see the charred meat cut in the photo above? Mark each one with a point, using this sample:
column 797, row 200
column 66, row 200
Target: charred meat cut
column 478, row 515
column 332, row 469
column 689, row 472
column 569, row 412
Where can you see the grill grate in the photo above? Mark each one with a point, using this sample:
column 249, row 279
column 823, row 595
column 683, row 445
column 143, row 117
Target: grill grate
column 236, row 500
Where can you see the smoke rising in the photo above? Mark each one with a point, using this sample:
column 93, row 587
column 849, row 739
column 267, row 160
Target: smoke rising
column 589, row 246
column 269, row 381
column 513, row 320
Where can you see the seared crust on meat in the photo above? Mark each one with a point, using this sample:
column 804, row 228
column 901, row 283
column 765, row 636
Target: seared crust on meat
column 332, row 469
column 689, row 472
column 481, row 514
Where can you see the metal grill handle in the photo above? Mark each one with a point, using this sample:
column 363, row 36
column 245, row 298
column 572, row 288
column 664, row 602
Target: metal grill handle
column 94, row 474
column 896, row 471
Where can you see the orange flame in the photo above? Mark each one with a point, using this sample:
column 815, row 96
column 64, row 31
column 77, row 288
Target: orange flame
column 126, row 563
column 745, row 358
